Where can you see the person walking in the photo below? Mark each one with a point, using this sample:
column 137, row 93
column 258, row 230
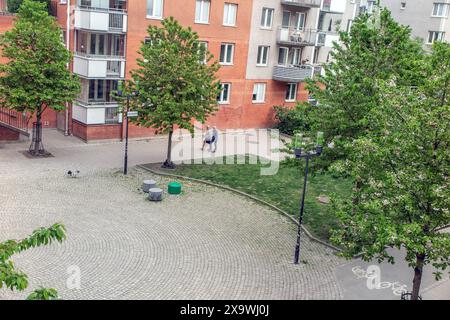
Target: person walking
column 208, row 138
column 215, row 138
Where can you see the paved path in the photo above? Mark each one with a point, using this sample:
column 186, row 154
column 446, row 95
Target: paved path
column 205, row 244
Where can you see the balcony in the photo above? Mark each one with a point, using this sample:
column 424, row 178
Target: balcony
column 295, row 37
column 98, row 67
column 106, row 20
column 96, row 113
column 295, row 73
column 302, row 3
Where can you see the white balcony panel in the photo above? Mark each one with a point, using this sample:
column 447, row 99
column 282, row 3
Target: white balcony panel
column 95, row 115
column 90, row 68
column 338, row 6
column 79, row 113
column 330, row 38
column 125, row 23
column 99, row 21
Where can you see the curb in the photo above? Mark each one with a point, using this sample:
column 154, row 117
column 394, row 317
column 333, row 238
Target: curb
column 309, row 235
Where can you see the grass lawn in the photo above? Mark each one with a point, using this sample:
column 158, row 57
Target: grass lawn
column 282, row 190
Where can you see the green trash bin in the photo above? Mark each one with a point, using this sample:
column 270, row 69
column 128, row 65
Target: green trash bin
column 174, row 188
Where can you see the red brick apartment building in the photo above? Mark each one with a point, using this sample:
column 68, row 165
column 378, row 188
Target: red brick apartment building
column 266, row 48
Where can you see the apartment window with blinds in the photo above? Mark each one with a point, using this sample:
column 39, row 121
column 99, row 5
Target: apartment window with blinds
column 440, row 10
column 202, row 11
column 230, row 14
column 155, row 9
column 224, row 96
column 259, row 93
column 435, row 36
column 267, row 18
column 291, row 92
column 263, row 56
column 226, row 53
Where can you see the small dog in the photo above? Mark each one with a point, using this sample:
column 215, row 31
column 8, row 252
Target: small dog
column 73, row 173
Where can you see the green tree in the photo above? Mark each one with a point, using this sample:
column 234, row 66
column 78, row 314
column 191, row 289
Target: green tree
column 15, row 279
column 36, row 76
column 403, row 200
column 175, row 84
column 14, row 5
column 376, row 48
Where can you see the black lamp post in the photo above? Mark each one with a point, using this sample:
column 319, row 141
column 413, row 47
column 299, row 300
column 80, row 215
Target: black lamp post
column 127, row 116
column 300, row 154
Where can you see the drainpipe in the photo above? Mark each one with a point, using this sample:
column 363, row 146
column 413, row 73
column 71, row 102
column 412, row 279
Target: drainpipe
column 66, row 124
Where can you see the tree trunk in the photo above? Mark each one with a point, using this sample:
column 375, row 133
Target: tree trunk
column 168, row 164
column 417, row 276
column 36, row 147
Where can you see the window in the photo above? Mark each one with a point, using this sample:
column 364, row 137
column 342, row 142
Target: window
column 286, row 22
column 300, row 21
column 226, row 53
column 296, row 56
column 263, row 56
column 440, row 10
column 202, row 11
column 224, row 96
column 435, row 36
column 155, row 9
column 229, row 14
column 203, row 46
column 112, row 115
column 259, row 93
column 291, row 92
column 283, row 54
column 267, row 18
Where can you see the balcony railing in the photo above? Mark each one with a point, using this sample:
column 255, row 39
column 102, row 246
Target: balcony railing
column 295, row 73
column 15, row 120
column 296, row 37
column 302, row 3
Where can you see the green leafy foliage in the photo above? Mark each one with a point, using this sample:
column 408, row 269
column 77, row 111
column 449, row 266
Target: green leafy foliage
column 175, row 86
column 43, row 294
column 36, row 76
column 402, row 198
column 376, row 49
column 15, row 279
column 291, row 120
column 14, row 5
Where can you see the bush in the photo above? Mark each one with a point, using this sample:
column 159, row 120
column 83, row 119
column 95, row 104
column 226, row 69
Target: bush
column 14, row 5
column 292, row 120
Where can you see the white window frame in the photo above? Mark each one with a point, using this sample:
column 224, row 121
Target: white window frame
column 289, row 92
column 203, row 4
column 230, row 20
column 439, row 36
column 221, row 99
column 444, row 10
column 205, row 43
column 265, row 16
column 287, row 56
column 259, row 90
column 262, row 50
column 226, row 62
column 153, row 14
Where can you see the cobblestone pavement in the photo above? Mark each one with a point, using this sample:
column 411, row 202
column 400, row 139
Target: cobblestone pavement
column 204, row 244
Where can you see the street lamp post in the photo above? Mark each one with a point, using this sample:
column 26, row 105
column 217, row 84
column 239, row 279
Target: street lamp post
column 128, row 114
column 300, row 154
